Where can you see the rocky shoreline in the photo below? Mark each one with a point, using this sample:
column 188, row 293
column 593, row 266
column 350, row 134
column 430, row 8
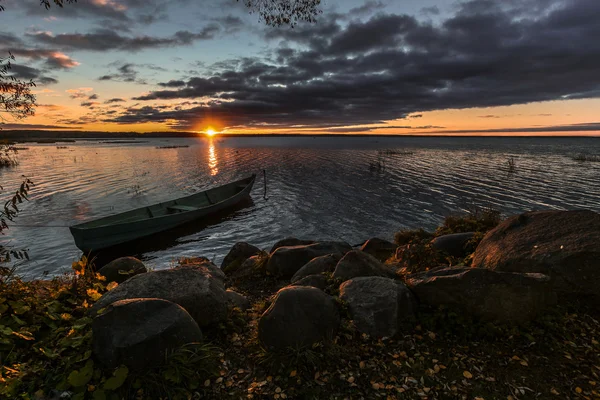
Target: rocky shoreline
column 307, row 298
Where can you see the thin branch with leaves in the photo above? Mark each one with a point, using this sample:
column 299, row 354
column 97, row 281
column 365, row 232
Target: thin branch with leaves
column 16, row 98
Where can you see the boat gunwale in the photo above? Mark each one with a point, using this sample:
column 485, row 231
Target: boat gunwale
column 80, row 227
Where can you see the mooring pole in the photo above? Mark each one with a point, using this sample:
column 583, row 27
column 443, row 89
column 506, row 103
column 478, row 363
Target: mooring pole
column 265, row 183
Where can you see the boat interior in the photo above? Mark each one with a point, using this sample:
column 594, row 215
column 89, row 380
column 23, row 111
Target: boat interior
column 185, row 204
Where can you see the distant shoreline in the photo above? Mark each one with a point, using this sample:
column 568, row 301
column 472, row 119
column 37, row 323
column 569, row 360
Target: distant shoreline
column 48, row 136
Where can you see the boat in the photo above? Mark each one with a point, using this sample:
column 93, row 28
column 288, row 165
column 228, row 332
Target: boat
column 124, row 227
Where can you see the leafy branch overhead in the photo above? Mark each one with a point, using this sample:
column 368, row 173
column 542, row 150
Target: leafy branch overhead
column 271, row 12
column 47, row 3
column 16, row 98
column 285, row 12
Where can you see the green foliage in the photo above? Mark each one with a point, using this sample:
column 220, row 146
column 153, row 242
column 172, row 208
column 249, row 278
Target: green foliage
column 46, row 345
column 587, row 157
column 48, row 3
column 285, row 12
column 416, row 253
column 478, row 220
column 408, row 236
column 16, row 98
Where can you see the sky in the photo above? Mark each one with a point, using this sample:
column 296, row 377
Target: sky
column 482, row 67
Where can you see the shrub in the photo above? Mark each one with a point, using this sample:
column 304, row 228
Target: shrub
column 478, row 220
column 408, row 236
column 46, row 345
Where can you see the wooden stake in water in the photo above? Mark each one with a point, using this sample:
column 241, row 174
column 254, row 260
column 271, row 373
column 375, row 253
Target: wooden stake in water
column 265, row 183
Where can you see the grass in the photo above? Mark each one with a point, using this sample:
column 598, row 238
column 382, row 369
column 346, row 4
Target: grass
column 476, row 220
column 587, row 157
column 8, row 155
column 416, row 254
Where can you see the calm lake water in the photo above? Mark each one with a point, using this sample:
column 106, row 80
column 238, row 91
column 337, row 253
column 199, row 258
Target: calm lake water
column 318, row 188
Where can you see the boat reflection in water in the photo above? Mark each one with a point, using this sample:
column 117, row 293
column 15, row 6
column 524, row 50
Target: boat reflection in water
column 170, row 238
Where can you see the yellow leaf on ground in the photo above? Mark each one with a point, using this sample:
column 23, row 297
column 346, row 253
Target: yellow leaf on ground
column 467, row 374
column 293, row 373
column 578, row 389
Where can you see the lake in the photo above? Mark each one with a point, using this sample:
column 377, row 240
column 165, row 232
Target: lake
column 341, row 188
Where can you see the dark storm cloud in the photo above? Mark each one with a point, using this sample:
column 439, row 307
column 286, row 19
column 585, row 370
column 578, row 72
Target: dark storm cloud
column 89, row 104
column 52, row 59
column 433, row 10
column 104, row 39
column 9, row 40
column 35, row 126
column 122, row 11
column 376, row 128
column 586, row 127
column 487, row 54
column 368, row 7
column 114, row 100
column 129, row 72
column 27, row 73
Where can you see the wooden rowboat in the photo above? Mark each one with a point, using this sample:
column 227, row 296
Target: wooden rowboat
column 145, row 221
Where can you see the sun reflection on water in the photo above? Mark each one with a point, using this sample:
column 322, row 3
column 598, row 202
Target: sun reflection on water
column 213, row 162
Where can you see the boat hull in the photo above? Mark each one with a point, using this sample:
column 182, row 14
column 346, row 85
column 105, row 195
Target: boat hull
column 90, row 238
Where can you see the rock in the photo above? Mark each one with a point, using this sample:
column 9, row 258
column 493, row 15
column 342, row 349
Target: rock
column 237, row 300
column 491, row 295
column 453, row 244
column 121, row 269
column 317, row 265
column 247, row 270
column 290, row 242
column 299, row 316
column 380, row 307
column 239, row 253
column 201, row 295
column 204, row 265
column 562, row 244
column 379, row 248
column 138, row 332
column 286, row 261
column 357, row 263
column 318, row 281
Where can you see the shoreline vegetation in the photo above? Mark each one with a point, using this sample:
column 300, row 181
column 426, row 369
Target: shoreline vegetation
column 482, row 308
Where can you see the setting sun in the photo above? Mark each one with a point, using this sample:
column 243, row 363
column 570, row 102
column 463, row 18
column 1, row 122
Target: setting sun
column 211, row 132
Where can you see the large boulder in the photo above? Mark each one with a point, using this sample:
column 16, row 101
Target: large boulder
column 491, row 295
column 454, row 244
column 203, row 265
column 318, row 281
column 380, row 307
column 248, row 270
column 201, row 295
column 562, row 244
column 299, row 317
column 317, row 265
column 379, row 248
column 121, row 269
column 139, row 332
column 358, row 263
column 237, row 300
column 286, row 261
column 239, row 253
column 290, row 242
